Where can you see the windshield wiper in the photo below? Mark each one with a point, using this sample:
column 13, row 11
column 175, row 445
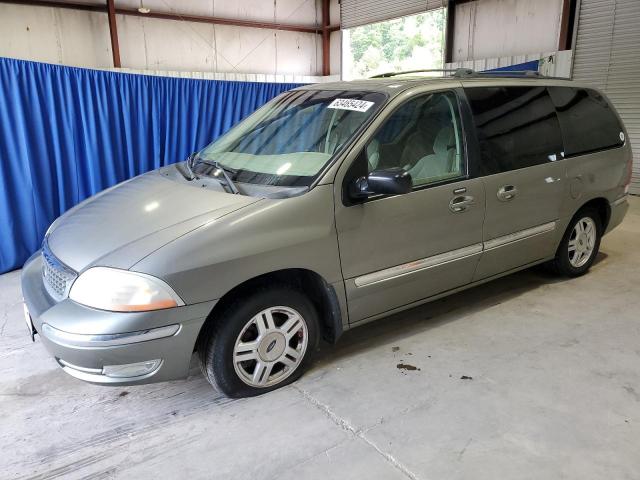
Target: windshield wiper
column 189, row 165
column 230, row 184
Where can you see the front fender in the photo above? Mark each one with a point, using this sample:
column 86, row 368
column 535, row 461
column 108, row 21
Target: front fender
column 267, row 236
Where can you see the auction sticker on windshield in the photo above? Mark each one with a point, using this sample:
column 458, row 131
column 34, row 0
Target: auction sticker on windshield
column 350, row 104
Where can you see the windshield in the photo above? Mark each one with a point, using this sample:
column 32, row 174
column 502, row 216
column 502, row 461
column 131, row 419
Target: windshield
column 288, row 142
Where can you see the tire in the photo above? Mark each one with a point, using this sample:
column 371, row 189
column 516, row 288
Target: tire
column 248, row 348
column 575, row 255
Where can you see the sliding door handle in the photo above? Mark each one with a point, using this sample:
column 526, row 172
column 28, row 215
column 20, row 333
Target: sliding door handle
column 506, row 193
column 461, row 203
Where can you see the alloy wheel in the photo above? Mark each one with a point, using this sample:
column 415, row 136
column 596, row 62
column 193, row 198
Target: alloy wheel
column 582, row 242
column 270, row 346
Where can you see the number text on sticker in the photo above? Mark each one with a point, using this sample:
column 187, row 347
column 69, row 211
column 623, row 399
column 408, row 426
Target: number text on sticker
column 351, row 104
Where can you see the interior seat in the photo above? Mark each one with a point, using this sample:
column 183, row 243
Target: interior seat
column 441, row 162
column 341, row 132
column 373, row 154
column 419, row 142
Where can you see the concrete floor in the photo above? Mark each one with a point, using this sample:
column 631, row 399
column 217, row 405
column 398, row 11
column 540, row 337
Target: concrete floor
column 554, row 393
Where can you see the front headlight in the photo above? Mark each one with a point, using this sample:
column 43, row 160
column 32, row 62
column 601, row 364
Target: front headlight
column 122, row 291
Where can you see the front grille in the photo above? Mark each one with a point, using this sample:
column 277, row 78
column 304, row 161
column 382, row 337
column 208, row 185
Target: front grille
column 57, row 276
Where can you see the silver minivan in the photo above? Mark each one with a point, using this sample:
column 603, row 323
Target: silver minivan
column 331, row 206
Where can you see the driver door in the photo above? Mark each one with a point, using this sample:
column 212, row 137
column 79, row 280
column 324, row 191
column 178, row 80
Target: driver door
column 400, row 249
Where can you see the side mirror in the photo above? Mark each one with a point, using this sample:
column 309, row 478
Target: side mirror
column 391, row 181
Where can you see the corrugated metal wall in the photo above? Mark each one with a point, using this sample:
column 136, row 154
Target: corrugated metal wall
column 607, row 55
column 362, row 12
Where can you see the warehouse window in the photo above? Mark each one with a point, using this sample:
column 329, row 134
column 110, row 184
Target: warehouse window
column 406, row 43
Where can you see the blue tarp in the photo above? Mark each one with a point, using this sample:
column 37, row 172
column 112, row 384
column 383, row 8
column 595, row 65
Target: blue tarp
column 532, row 65
column 67, row 133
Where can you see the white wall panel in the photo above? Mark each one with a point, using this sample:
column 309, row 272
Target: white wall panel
column 301, row 12
column 557, row 64
column 335, row 58
column 78, row 38
column 334, row 11
column 165, row 45
column 54, row 35
column 188, row 7
column 294, row 49
column 500, row 28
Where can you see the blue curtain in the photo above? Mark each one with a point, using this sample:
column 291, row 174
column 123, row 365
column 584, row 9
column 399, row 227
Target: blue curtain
column 67, row 133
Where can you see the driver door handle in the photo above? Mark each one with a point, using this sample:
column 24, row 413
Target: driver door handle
column 507, row 192
column 461, row 203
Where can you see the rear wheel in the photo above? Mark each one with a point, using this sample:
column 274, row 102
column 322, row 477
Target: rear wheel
column 580, row 244
column 260, row 343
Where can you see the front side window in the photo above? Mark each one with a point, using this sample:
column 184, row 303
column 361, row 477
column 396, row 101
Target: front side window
column 517, row 127
column 288, row 142
column 423, row 137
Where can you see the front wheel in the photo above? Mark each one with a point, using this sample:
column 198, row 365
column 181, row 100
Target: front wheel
column 580, row 244
column 259, row 343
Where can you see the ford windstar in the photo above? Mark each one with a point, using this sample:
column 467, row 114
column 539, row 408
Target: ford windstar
column 331, row 206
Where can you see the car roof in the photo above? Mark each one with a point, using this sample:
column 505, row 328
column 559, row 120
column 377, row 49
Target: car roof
column 395, row 85
column 384, row 85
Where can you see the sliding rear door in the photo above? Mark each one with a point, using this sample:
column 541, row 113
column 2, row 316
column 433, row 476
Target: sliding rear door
column 520, row 147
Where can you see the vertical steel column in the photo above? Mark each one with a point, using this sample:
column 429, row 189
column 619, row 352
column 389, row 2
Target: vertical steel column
column 566, row 24
column 326, row 35
column 113, row 32
column 449, row 31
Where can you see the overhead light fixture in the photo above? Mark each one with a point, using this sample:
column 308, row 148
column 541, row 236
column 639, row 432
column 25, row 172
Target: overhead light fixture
column 143, row 9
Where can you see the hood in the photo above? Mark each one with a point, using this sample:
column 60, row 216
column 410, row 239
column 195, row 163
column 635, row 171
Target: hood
column 122, row 225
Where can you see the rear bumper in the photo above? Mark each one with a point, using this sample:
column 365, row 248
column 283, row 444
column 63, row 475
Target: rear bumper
column 109, row 347
column 618, row 210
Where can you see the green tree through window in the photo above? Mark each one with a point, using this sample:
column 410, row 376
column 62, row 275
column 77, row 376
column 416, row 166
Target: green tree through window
column 406, row 43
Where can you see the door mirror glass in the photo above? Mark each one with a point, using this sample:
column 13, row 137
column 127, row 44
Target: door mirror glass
column 391, row 181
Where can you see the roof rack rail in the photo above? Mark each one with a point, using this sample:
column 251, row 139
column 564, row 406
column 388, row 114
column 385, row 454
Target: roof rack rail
column 422, row 70
column 462, row 72
column 466, row 72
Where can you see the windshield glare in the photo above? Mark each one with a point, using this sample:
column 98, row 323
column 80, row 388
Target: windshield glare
column 288, row 141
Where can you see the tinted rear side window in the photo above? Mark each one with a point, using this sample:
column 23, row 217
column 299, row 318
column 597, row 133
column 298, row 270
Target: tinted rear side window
column 588, row 122
column 517, row 127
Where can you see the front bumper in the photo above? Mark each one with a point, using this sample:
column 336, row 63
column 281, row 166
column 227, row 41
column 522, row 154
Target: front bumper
column 110, row 347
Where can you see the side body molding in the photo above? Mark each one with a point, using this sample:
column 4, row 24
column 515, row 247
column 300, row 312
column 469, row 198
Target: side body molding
column 450, row 256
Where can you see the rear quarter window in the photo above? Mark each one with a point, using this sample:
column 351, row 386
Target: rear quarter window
column 589, row 124
column 517, row 127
